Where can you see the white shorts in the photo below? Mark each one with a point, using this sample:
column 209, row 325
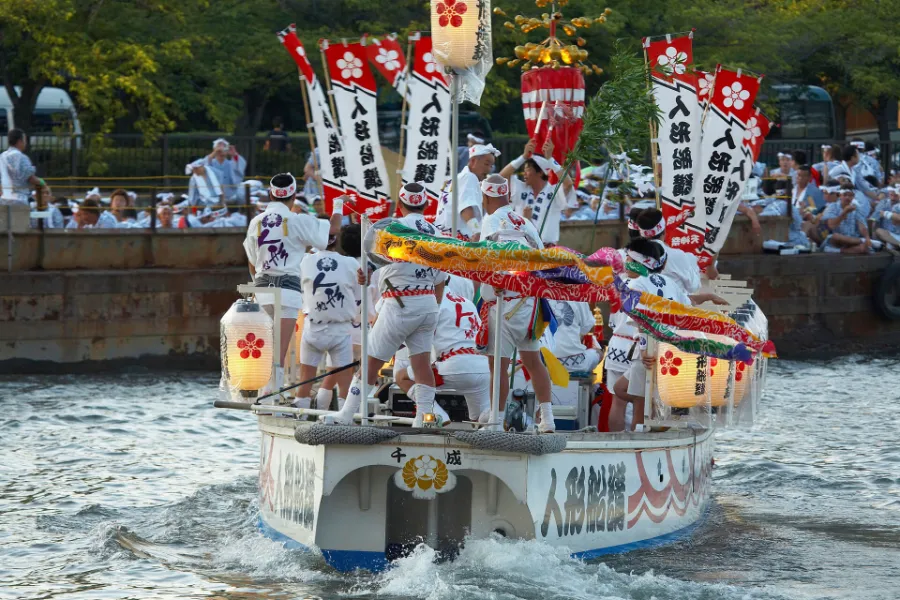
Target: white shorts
column 515, row 328
column 637, row 378
column 326, row 338
column 287, row 312
column 396, row 327
column 585, row 361
column 476, row 387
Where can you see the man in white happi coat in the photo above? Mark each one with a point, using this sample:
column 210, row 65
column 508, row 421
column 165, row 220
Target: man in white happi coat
column 645, row 269
column 678, row 264
column 276, row 244
column 481, row 162
column 501, row 223
column 531, row 195
column 457, row 364
column 17, row 174
column 575, row 324
column 331, row 296
column 411, row 297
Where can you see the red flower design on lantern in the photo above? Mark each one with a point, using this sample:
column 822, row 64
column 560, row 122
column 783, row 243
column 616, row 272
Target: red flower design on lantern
column 739, row 374
column 250, row 346
column 712, row 363
column 670, row 363
column 450, row 12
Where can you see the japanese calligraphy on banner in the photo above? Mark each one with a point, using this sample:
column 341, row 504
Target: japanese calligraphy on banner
column 560, row 93
column 353, row 88
column 726, row 159
column 387, row 56
column 330, row 160
column 428, row 125
column 674, row 87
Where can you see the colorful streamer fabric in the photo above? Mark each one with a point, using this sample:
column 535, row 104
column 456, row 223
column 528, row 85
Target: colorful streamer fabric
column 562, row 274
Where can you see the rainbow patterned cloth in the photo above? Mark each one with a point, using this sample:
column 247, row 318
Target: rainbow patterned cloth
column 562, row 274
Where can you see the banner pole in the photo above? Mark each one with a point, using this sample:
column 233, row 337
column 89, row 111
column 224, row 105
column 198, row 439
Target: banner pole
column 328, row 83
column 653, row 132
column 454, row 152
column 364, row 325
column 312, row 140
column 402, row 157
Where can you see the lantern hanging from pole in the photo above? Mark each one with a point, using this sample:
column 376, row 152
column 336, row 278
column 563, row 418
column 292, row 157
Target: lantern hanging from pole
column 461, row 32
column 553, row 102
column 247, row 342
column 681, row 378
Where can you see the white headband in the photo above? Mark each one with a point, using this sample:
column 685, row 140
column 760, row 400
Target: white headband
column 783, row 155
column 859, row 145
column 474, row 138
column 414, row 199
column 653, row 231
column 283, row 192
column 495, row 190
column 221, row 141
column 482, row 150
column 647, row 261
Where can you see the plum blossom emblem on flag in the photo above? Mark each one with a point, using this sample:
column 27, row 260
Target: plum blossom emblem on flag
column 350, row 66
column 388, row 58
column 735, row 95
column 672, row 61
column 451, row 12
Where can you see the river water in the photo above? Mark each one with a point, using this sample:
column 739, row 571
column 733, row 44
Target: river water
column 133, row 486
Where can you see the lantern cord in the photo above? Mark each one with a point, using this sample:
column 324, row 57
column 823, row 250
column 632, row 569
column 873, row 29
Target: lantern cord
column 355, row 363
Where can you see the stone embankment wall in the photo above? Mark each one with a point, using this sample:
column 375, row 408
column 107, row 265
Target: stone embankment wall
column 93, row 300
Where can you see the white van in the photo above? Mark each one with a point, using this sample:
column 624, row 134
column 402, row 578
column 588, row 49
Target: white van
column 53, row 113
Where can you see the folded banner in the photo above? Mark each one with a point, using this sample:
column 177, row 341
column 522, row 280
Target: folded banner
column 724, row 157
column 428, row 125
column 353, row 88
column 331, row 163
column 553, row 103
column 387, row 56
column 674, row 86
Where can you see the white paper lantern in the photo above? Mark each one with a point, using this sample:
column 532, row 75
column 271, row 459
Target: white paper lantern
column 247, row 341
column 461, row 32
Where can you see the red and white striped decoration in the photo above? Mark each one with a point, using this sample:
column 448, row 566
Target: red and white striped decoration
column 561, row 93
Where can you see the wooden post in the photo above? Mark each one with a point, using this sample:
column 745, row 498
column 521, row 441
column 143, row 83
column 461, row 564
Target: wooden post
column 653, row 131
column 311, row 136
column 413, row 37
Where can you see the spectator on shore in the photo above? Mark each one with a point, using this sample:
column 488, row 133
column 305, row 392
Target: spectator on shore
column 165, row 217
column 89, row 215
column 831, row 158
column 887, row 219
column 318, row 207
column 798, row 159
column 783, row 170
column 278, row 140
column 204, row 188
column 849, row 233
column 311, row 185
column 851, row 169
column 227, row 168
column 17, row 174
column 120, row 207
column 815, row 226
column 868, row 160
column 806, row 194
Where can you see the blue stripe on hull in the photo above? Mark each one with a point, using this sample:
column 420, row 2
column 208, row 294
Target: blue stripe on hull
column 349, row 560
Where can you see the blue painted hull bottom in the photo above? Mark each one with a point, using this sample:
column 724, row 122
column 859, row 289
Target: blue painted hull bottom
column 349, row 560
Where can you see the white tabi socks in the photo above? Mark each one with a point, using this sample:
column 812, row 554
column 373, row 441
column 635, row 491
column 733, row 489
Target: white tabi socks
column 323, row 398
column 350, row 408
column 547, row 424
column 424, row 397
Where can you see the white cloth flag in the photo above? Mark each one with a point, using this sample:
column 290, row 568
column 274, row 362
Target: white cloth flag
column 428, row 124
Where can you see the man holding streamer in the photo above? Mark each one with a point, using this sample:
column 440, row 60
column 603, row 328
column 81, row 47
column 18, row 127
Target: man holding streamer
column 518, row 313
column 408, row 316
column 276, row 243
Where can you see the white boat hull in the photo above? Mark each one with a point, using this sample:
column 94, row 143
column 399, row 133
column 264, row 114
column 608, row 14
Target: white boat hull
column 604, row 493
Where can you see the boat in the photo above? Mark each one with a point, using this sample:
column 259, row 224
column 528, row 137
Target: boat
column 367, row 494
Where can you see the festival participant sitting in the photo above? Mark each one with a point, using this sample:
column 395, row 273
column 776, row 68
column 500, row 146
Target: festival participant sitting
column 331, row 298
column 806, row 195
column 204, row 188
column 850, row 235
column 852, row 169
column 831, row 158
column 468, row 225
column 275, row 245
column 783, row 170
column 164, row 217
column 502, row 224
column 531, row 194
column 408, row 315
column 89, row 215
column 575, row 325
column 679, row 264
column 119, row 205
column 457, row 364
column 645, row 269
column 887, row 215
